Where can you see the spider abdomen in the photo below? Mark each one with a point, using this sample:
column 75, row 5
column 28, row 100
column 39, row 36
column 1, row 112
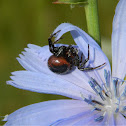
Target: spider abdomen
column 59, row 65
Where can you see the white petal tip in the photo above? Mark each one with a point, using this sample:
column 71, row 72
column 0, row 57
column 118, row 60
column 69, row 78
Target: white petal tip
column 8, row 82
column 32, row 46
column 18, row 59
column 20, row 55
column 5, row 118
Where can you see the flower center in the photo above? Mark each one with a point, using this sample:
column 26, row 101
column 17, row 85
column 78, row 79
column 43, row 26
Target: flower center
column 112, row 106
column 111, row 98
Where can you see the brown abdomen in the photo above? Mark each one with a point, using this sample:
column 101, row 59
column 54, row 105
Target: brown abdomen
column 58, row 64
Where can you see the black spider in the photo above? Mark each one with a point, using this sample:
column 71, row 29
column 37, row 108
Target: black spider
column 65, row 57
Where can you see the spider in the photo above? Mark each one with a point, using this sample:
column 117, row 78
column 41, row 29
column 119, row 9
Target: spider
column 64, row 58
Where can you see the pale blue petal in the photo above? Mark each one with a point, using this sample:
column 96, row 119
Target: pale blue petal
column 46, row 113
column 34, row 47
column 82, row 39
column 73, row 119
column 24, row 61
column 44, row 83
column 119, row 41
column 85, row 118
column 32, row 61
column 120, row 120
column 111, row 120
column 36, row 61
column 89, row 120
column 80, row 34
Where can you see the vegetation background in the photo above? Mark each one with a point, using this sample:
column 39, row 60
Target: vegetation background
column 30, row 21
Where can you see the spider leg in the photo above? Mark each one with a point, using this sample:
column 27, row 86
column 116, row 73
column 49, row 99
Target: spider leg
column 81, row 57
column 60, row 51
column 51, row 36
column 57, row 40
column 88, row 52
column 81, row 65
column 51, row 44
column 85, row 61
column 79, row 61
column 76, row 61
column 91, row 68
column 70, row 50
column 70, row 46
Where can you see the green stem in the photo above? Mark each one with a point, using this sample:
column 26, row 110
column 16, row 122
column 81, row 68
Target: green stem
column 91, row 10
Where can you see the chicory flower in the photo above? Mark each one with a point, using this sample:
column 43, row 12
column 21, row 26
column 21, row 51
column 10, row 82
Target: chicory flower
column 100, row 97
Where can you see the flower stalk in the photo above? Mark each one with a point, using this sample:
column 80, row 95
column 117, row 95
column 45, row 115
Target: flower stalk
column 91, row 11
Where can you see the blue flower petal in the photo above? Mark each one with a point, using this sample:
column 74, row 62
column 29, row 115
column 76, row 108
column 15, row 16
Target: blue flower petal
column 46, row 113
column 119, row 41
column 43, row 83
column 89, row 120
column 111, row 120
column 82, row 39
column 120, row 120
column 35, row 59
column 77, row 33
column 73, row 119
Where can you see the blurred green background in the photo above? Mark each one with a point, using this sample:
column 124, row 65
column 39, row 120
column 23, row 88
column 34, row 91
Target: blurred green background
column 30, row 21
